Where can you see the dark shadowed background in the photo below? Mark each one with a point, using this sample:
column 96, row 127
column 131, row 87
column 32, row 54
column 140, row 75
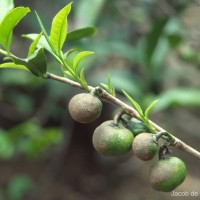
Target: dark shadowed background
column 151, row 49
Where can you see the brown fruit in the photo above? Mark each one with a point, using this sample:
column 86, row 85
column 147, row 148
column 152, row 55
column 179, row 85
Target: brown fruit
column 144, row 146
column 85, row 107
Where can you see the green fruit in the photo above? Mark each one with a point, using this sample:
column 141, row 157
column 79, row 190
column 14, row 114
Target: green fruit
column 136, row 126
column 112, row 140
column 85, row 107
column 167, row 174
column 144, row 146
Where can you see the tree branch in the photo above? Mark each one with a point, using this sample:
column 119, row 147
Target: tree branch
column 129, row 110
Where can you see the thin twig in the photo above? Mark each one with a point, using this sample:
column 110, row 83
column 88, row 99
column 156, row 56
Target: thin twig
column 3, row 52
column 129, row 110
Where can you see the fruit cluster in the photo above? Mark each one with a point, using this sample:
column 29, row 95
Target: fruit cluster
column 117, row 137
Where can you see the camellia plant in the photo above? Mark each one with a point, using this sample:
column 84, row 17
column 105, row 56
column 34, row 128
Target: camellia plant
column 130, row 129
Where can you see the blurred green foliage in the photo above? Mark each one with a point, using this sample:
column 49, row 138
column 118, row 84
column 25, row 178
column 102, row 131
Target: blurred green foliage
column 32, row 140
column 28, row 138
column 19, row 185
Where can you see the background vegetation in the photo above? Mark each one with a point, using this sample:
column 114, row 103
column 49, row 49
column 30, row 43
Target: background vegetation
column 151, row 50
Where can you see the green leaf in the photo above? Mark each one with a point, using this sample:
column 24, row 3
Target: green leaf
column 109, row 87
column 79, row 57
column 43, row 30
column 11, row 65
column 105, row 86
column 68, row 75
column 8, row 24
column 59, row 28
column 5, row 7
column 82, row 77
column 36, row 63
column 149, row 109
column 69, row 58
column 113, row 92
column 34, row 45
column 109, row 81
column 80, row 33
column 68, row 53
column 46, row 41
column 134, row 104
column 42, row 41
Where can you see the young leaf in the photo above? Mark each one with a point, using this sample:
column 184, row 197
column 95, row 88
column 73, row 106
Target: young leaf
column 45, row 41
column 110, row 90
column 134, row 104
column 10, row 65
column 109, row 87
column 79, row 57
column 69, row 57
column 149, row 108
column 109, row 81
column 68, row 74
column 34, row 45
column 8, row 24
column 105, row 86
column 59, row 28
column 113, row 92
column 68, row 53
column 43, row 30
column 5, row 7
column 80, row 33
column 82, row 76
column 42, row 41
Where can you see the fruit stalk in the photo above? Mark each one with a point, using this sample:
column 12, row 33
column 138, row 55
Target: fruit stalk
column 129, row 110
